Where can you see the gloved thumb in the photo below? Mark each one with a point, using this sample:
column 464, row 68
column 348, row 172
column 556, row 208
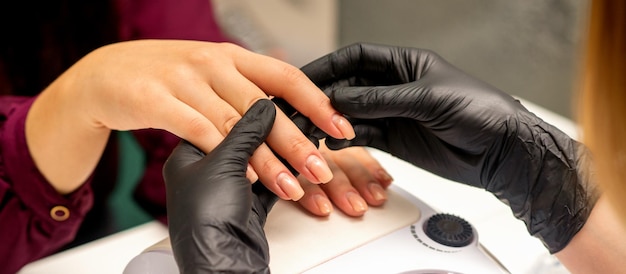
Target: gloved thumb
column 250, row 132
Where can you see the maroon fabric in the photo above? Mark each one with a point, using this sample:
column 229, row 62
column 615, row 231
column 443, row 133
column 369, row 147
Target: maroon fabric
column 169, row 19
column 27, row 231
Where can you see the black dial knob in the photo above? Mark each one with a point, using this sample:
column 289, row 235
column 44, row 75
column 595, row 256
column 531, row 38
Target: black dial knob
column 449, row 230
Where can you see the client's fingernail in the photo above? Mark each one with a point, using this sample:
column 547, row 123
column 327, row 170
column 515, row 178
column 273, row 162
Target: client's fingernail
column 323, row 204
column 344, row 126
column 377, row 192
column 251, row 174
column 383, row 176
column 319, row 168
column 290, row 186
column 357, row 203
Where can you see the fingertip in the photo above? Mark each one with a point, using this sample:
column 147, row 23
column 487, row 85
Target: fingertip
column 358, row 204
column 343, row 125
column 323, row 205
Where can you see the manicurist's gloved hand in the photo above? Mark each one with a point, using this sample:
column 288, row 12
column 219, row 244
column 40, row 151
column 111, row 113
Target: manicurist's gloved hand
column 216, row 215
column 415, row 105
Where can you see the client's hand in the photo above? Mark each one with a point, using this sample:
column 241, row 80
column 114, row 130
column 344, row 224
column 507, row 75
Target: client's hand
column 358, row 180
column 416, row 106
column 216, row 216
column 195, row 90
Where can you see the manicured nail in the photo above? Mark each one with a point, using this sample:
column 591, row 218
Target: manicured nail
column 290, row 186
column 377, row 192
column 357, row 203
column 323, row 204
column 319, row 168
column 251, row 174
column 344, row 126
column 383, row 176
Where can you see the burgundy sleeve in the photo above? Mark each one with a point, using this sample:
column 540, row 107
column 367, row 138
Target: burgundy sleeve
column 35, row 220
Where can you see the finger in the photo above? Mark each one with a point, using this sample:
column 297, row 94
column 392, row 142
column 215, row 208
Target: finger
column 352, row 161
column 365, row 159
column 342, row 193
column 187, row 123
column 282, row 80
column 285, row 139
column 365, row 64
column 314, row 199
column 183, row 155
column 248, row 134
column 368, row 133
column 372, row 102
column 269, row 169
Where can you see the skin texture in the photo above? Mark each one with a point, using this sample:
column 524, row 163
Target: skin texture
column 598, row 247
column 140, row 84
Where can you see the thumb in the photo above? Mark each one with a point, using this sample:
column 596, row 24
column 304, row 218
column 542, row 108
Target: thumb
column 248, row 134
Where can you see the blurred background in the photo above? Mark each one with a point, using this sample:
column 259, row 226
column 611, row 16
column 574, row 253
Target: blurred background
column 526, row 48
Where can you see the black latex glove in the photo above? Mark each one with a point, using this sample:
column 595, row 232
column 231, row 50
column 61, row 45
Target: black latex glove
column 416, row 106
column 216, row 216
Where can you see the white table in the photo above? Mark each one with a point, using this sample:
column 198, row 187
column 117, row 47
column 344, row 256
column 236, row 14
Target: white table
column 502, row 234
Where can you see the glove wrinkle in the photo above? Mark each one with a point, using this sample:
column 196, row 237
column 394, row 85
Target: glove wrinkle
column 416, row 106
column 215, row 218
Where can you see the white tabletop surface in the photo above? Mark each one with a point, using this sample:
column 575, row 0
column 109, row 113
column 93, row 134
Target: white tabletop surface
column 503, row 235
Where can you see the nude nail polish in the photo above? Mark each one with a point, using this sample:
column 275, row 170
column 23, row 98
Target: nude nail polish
column 344, row 126
column 323, row 204
column 290, row 186
column 377, row 191
column 319, row 168
column 357, row 203
column 383, row 176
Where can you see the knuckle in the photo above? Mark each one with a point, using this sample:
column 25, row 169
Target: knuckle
column 230, row 122
column 197, row 127
column 301, row 145
column 270, row 165
column 292, row 75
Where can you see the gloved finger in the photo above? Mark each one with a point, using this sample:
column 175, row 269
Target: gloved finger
column 246, row 136
column 372, row 102
column 183, row 155
column 367, row 64
column 370, row 134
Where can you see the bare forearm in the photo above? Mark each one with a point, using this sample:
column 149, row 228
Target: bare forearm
column 599, row 247
column 62, row 142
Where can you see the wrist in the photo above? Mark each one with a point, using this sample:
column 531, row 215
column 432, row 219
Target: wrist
column 64, row 145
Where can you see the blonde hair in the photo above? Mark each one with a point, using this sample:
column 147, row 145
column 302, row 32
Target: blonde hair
column 603, row 98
